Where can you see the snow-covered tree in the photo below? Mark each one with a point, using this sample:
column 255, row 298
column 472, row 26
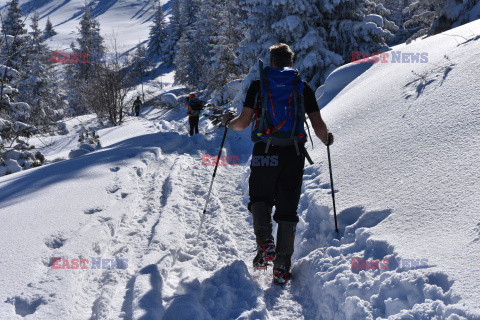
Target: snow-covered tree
column 435, row 16
column 261, row 14
column 49, row 31
column 174, row 32
column 72, row 84
column 90, row 41
column 77, row 75
column 14, row 26
column 188, row 61
column 349, row 29
column 227, row 33
column 14, row 114
column 456, row 13
column 399, row 16
column 424, row 13
column 158, row 37
column 13, row 23
column 37, row 83
column 323, row 34
column 191, row 49
column 391, row 12
column 15, row 154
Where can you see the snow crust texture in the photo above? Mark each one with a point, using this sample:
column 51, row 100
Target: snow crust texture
column 139, row 200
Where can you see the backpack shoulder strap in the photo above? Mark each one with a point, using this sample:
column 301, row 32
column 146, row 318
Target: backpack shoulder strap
column 264, row 89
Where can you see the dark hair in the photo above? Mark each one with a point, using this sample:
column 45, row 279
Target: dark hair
column 281, row 55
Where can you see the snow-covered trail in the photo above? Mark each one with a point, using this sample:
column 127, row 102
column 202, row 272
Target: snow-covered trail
column 154, row 185
column 175, row 280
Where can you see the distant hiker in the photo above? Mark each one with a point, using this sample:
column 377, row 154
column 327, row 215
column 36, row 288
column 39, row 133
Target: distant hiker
column 195, row 107
column 278, row 156
column 137, row 105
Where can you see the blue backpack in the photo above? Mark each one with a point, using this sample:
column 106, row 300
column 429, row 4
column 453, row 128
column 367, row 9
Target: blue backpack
column 280, row 114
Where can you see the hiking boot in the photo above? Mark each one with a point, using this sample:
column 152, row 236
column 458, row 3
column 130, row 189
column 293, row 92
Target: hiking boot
column 280, row 276
column 265, row 254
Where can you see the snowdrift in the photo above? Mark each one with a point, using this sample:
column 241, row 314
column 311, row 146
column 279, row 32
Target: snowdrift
column 406, row 141
column 407, row 190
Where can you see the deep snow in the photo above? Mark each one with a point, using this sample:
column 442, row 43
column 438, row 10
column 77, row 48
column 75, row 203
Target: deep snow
column 406, row 183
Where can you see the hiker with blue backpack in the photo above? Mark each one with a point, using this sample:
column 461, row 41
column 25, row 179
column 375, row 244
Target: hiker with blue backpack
column 277, row 103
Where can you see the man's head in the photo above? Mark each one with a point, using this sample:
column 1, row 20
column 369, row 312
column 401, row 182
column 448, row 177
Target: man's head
column 281, row 56
column 192, row 95
column 138, row 97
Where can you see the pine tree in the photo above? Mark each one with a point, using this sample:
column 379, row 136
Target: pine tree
column 174, row 32
column 226, row 36
column 187, row 62
column 37, row 83
column 306, row 29
column 49, row 31
column 13, row 26
column 348, row 30
column 190, row 53
column 72, row 84
column 157, row 38
column 12, row 22
column 322, row 34
column 391, row 13
column 424, row 14
column 77, row 75
column 261, row 15
column 15, row 115
column 435, row 16
column 454, row 14
column 90, row 42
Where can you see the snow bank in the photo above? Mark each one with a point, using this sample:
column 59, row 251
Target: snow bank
column 407, row 142
column 338, row 80
column 169, row 99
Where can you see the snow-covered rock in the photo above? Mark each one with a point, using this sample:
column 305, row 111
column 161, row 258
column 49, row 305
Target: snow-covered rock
column 169, row 99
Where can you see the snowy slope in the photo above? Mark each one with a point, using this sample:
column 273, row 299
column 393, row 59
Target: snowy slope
column 129, row 20
column 406, row 184
column 408, row 141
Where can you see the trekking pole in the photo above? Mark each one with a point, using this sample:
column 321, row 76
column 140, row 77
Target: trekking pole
column 333, row 191
column 211, row 185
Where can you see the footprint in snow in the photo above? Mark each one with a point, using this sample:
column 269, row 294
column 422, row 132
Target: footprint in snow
column 325, row 186
column 93, row 211
column 113, row 189
column 55, row 242
column 25, row 306
column 115, row 169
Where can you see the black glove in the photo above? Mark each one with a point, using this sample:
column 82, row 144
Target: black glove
column 330, row 139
